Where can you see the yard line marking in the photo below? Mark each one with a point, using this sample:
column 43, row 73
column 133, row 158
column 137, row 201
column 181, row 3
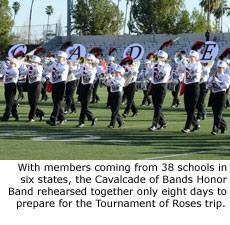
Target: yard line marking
column 183, row 154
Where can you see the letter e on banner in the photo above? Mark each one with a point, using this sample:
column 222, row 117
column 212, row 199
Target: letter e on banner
column 208, row 52
column 134, row 50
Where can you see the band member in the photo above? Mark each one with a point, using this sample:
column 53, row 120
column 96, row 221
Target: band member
column 192, row 76
column 201, row 114
column 116, row 84
column 95, row 98
column 219, row 83
column 227, row 52
column 176, row 79
column 58, row 79
column 10, row 79
column 70, row 88
column 143, row 77
column 48, row 61
column 34, row 73
column 88, row 74
column 130, row 75
column 160, row 76
column 110, row 70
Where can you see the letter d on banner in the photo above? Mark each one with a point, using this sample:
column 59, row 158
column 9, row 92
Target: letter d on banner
column 134, row 50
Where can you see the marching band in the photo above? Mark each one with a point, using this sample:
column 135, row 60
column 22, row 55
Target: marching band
column 191, row 77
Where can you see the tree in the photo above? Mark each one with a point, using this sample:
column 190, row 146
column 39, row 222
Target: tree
column 126, row 10
column 162, row 15
column 95, row 17
column 31, row 8
column 197, row 21
column 49, row 11
column 209, row 6
column 16, row 7
column 6, row 24
column 217, row 12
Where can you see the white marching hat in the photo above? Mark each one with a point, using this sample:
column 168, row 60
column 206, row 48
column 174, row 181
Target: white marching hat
column 62, row 54
column 97, row 61
column 163, row 54
column 91, row 56
column 111, row 58
column 195, row 54
column 120, row 69
column 36, row 59
column 221, row 63
column 227, row 61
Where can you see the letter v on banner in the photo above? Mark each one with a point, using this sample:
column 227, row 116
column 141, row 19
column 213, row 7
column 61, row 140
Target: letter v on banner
column 209, row 52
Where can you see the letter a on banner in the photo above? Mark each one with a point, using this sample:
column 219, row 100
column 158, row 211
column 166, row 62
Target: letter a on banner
column 75, row 52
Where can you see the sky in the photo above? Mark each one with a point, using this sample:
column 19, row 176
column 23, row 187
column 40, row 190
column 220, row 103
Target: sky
column 39, row 16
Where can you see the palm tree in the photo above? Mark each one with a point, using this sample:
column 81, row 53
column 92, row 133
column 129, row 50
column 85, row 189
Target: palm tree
column 209, row 6
column 16, row 7
column 217, row 12
column 130, row 12
column 31, row 7
column 49, row 12
column 118, row 5
column 126, row 10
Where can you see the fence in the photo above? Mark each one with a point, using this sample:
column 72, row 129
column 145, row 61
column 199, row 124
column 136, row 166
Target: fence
column 38, row 33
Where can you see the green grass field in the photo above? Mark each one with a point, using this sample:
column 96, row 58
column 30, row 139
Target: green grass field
column 20, row 140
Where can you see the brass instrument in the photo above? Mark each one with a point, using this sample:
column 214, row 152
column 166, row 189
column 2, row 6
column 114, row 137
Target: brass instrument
column 154, row 58
column 180, row 58
column 81, row 60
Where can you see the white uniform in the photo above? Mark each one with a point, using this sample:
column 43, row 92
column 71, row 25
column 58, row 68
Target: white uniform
column 10, row 75
column 145, row 73
column 130, row 75
column 204, row 74
column 192, row 72
column 219, row 82
column 110, row 68
column 72, row 75
column 34, row 73
column 59, row 72
column 116, row 84
column 87, row 74
column 160, row 73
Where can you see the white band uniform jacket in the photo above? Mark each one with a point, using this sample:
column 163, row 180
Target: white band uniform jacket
column 219, row 82
column 10, row 75
column 204, row 74
column 176, row 75
column 160, row 73
column 131, row 74
column 110, row 68
column 116, row 84
column 72, row 75
column 59, row 72
column 34, row 73
column 145, row 73
column 87, row 74
column 192, row 72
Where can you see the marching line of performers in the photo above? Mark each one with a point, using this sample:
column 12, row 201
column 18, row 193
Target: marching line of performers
column 65, row 76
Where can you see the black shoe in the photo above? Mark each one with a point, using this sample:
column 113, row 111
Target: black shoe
column 197, row 127
column 203, row 117
column 149, row 103
column 4, row 119
column 41, row 117
column 80, row 125
column 51, row 123
column 110, row 126
column 66, row 112
column 134, row 114
column 121, row 124
column 185, row 131
column 173, row 106
column 17, row 117
column 62, row 122
column 73, row 112
column 162, row 127
column 143, row 105
column 92, row 102
column 223, row 131
column 94, row 121
column 152, row 128
column 124, row 115
column 198, row 118
column 30, row 120
column 213, row 132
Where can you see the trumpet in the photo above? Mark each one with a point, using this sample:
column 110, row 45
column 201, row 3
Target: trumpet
column 81, row 60
column 179, row 58
column 154, row 58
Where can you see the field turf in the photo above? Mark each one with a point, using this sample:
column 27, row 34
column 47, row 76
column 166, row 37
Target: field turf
column 21, row 140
